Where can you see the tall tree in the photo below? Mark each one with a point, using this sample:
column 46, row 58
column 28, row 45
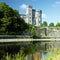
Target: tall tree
column 58, row 24
column 44, row 24
column 51, row 24
column 11, row 22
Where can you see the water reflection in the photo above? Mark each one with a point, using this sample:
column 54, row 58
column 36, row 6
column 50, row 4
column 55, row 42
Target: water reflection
column 44, row 54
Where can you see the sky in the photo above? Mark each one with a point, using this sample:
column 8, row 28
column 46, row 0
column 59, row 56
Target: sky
column 50, row 8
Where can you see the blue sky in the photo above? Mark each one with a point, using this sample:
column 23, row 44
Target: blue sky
column 50, row 8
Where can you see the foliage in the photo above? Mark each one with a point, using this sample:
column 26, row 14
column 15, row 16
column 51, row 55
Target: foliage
column 31, row 30
column 51, row 25
column 18, row 56
column 7, row 57
column 44, row 24
column 53, row 55
column 10, row 20
column 58, row 24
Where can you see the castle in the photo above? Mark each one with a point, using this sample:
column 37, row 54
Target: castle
column 32, row 16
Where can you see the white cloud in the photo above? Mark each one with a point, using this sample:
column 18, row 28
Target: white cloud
column 23, row 6
column 44, row 16
column 56, row 4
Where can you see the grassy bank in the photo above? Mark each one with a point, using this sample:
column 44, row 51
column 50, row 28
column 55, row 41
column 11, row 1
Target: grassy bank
column 54, row 55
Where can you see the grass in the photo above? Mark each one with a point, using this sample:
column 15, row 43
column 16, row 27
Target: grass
column 18, row 56
column 54, row 55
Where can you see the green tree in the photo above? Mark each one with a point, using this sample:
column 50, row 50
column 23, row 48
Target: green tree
column 51, row 25
column 31, row 30
column 10, row 20
column 5, row 10
column 44, row 24
column 58, row 24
